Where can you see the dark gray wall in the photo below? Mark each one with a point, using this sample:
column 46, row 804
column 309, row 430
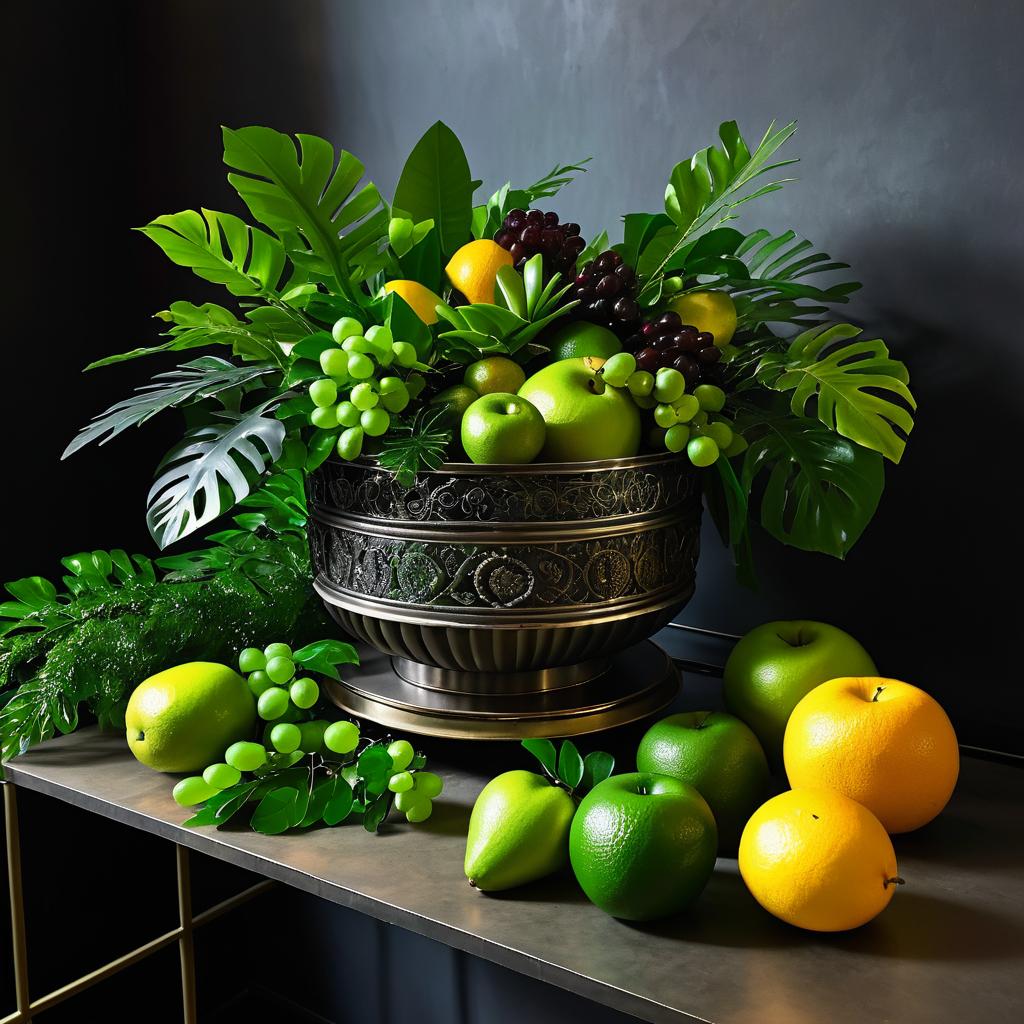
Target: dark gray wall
column 911, row 145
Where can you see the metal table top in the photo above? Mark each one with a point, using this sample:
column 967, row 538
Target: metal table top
column 949, row 948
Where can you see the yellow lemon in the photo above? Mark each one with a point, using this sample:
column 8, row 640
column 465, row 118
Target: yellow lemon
column 818, row 860
column 882, row 742
column 420, row 298
column 473, row 270
column 714, row 312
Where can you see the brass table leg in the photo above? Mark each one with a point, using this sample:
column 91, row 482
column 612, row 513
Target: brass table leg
column 18, row 938
column 186, row 945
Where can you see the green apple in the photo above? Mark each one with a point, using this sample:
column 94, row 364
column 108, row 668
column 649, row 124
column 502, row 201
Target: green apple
column 585, row 419
column 642, row 846
column 777, row 664
column 184, row 718
column 720, row 757
column 502, row 428
column 580, row 338
column 518, row 831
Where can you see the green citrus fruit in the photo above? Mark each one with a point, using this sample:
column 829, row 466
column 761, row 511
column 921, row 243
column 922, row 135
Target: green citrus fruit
column 455, row 401
column 184, row 718
column 642, row 846
column 494, row 374
column 518, row 831
column 720, row 757
column 579, row 339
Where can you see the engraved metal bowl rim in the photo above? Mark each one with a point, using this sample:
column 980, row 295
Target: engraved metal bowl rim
column 525, row 469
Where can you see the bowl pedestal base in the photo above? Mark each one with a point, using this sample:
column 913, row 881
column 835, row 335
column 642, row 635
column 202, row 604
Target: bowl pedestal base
column 409, row 697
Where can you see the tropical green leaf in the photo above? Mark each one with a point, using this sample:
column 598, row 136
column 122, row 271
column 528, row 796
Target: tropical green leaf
column 419, row 445
column 544, row 751
column 844, row 384
column 274, row 813
column 435, row 184
column 307, row 192
column 570, row 764
column 220, row 248
column 598, row 765
column 819, row 490
column 324, row 656
column 227, row 453
column 191, row 382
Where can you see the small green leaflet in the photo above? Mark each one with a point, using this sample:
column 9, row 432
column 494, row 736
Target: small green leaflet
column 323, row 657
column 565, row 767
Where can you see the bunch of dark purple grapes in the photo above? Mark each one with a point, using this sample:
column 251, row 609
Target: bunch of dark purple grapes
column 667, row 341
column 606, row 290
column 524, row 233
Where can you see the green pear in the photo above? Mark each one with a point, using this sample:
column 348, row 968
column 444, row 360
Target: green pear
column 518, row 831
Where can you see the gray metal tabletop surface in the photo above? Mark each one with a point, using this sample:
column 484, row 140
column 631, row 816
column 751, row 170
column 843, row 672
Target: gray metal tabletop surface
column 949, row 948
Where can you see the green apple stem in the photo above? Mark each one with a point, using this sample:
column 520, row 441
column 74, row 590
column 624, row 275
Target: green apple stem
column 877, row 692
column 895, row 880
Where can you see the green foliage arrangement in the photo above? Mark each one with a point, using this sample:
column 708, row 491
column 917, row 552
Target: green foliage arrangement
column 813, row 407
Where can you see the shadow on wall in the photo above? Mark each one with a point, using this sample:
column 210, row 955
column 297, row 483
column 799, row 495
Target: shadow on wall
column 930, row 587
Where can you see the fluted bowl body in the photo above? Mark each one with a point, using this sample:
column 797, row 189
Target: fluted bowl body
column 506, row 569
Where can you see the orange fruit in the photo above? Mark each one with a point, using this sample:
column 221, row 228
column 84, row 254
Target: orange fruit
column 818, row 860
column 420, row 298
column 881, row 742
column 474, row 269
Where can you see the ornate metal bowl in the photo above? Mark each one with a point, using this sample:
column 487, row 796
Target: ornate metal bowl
column 505, row 579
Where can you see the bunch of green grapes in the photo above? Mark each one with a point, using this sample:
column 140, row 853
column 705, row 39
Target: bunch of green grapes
column 358, row 396
column 414, row 791
column 682, row 421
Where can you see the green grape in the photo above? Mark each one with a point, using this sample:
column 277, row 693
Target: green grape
column 401, row 754
column 428, row 784
column 669, row 384
column 272, row 703
column 347, row 414
column 346, row 327
column 699, row 418
column 245, row 756
column 323, row 392
column 359, row 344
column 341, row 737
column 419, row 811
column 312, row 734
column 703, row 451
column 193, row 790
column 640, row 384
column 710, row 396
column 384, row 358
column 410, row 798
column 221, row 776
column 664, row 415
column 686, row 407
column 375, row 422
column 645, row 401
column 280, row 670
column 364, row 396
column 251, row 659
column 720, row 433
column 394, row 395
column 405, row 354
column 671, row 285
column 360, row 367
column 415, row 383
column 259, row 682
column 736, row 446
column 380, row 336
column 676, row 437
column 286, row 737
column 277, row 650
column 618, row 368
column 334, row 362
column 401, row 782
column 325, row 419
column 304, row 693
column 656, row 437
column 350, row 443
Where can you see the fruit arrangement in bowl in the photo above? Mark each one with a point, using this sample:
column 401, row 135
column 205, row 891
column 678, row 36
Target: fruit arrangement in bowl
column 432, row 329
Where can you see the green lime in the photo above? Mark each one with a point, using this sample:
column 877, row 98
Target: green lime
column 455, row 401
column 579, row 338
column 719, row 756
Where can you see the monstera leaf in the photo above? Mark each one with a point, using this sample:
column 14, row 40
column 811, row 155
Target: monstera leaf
column 308, row 193
column 188, row 383
column 841, row 384
column 228, row 453
column 820, row 491
column 251, row 263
